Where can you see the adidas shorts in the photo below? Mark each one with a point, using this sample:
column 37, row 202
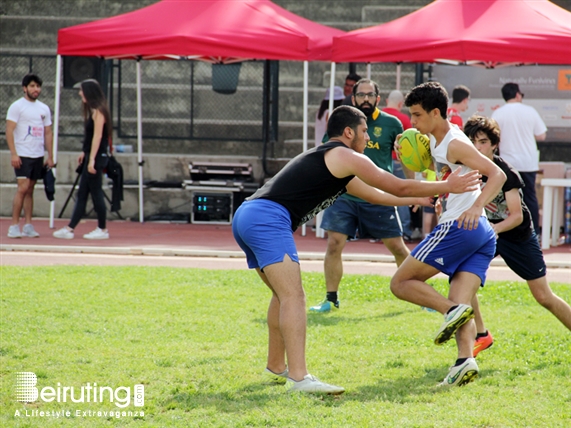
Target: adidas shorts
column 262, row 228
column 371, row 221
column 450, row 249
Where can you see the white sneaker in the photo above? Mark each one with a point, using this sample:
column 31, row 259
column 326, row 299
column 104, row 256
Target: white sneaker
column 29, row 231
column 462, row 374
column 63, row 233
column 14, row 231
column 453, row 320
column 416, row 234
column 270, row 376
column 312, row 384
column 97, row 234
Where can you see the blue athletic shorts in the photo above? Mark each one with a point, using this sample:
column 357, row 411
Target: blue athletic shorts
column 524, row 258
column 372, row 221
column 31, row 168
column 262, row 228
column 450, row 249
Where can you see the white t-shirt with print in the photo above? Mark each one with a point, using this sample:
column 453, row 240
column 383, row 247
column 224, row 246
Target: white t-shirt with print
column 519, row 124
column 31, row 117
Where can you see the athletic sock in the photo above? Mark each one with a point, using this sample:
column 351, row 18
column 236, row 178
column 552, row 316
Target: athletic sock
column 482, row 334
column 460, row 361
column 451, row 309
column 332, row 296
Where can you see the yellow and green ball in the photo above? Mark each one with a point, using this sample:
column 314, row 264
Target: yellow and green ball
column 415, row 150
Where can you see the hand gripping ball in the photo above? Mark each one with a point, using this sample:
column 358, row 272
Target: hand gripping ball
column 415, row 150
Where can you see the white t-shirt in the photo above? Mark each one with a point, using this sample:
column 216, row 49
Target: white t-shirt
column 453, row 204
column 31, row 117
column 519, row 124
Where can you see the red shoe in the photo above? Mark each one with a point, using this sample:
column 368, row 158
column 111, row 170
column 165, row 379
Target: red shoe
column 482, row 343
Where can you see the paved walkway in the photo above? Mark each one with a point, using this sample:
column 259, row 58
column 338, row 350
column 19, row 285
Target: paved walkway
column 212, row 247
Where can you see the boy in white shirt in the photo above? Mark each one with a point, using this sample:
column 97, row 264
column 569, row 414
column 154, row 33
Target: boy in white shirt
column 463, row 243
column 28, row 134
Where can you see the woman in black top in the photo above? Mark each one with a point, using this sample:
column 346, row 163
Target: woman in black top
column 92, row 161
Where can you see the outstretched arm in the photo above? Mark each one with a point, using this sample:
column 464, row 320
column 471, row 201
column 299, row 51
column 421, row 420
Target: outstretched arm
column 343, row 162
column 370, row 194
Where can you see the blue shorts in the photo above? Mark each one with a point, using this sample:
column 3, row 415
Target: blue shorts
column 372, row 221
column 450, row 249
column 262, row 228
column 524, row 258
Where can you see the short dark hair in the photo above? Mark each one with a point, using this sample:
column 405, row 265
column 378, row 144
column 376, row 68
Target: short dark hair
column 509, row 91
column 484, row 124
column 429, row 95
column 371, row 82
column 343, row 117
column 353, row 76
column 460, row 93
column 28, row 78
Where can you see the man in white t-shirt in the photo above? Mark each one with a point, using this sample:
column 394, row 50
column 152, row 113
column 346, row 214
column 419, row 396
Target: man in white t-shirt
column 28, row 134
column 521, row 128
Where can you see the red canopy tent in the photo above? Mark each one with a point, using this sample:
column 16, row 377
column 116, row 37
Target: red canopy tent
column 211, row 30
column 217, row 31
column 466, row 31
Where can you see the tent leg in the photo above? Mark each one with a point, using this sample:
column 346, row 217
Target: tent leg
column 368, row 70
column 55, row 130
column 140, row 142
column 305, row 118
column 398, row 76
column 319, row 232
column 332, row 88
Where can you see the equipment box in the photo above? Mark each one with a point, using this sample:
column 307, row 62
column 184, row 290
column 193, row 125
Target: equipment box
column 211, row 207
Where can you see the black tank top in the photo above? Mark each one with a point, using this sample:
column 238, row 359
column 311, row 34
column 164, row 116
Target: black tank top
column 88, row 138
column 305, row 186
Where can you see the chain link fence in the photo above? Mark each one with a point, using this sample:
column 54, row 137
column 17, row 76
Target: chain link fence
column 186, row 100
column 15, row 67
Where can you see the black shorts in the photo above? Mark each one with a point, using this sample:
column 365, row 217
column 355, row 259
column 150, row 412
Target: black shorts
column 524, row 258
column 31, row 168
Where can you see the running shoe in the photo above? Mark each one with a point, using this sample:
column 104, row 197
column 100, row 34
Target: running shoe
column 270, row 376
column 63, row 233
column 483, row 343
column 97, row 234
column 324, row 306
column 29, row 232
column 14, row 231
column 453, row 320
column 312, row 384
column 461, row 374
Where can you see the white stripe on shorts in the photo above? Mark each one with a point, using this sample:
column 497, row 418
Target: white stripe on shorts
column 434, row 241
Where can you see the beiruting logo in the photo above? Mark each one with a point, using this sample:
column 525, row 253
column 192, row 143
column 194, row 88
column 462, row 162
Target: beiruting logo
column 27, row 392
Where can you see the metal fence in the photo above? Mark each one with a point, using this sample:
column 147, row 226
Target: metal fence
column 185, row 100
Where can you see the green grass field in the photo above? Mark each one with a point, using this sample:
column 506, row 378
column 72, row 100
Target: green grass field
column 197, row 340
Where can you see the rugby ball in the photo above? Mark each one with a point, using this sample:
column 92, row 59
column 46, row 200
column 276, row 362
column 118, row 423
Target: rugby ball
column 414, row 150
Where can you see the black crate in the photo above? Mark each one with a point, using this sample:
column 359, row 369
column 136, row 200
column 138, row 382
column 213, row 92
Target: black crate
column 211, row 207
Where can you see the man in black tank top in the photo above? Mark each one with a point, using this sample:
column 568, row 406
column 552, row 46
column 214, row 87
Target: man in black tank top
column 263, row 227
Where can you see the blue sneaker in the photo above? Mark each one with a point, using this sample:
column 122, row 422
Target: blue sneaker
column 325, row 306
